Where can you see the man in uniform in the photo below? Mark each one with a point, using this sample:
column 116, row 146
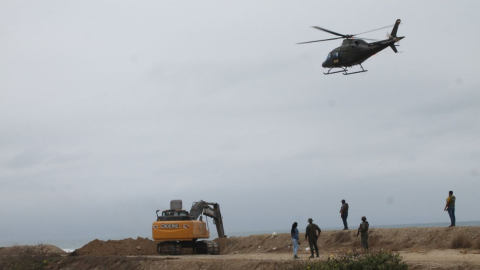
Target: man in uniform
column 450, row 207
column 363, row 230
column 344, row 214
column 311, row 236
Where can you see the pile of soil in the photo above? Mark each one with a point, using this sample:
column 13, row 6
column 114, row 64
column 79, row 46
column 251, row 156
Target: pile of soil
column 392, row 239
column 125, row 247
column 32, row 250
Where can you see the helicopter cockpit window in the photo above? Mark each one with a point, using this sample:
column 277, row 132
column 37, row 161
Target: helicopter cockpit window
column 329, row 56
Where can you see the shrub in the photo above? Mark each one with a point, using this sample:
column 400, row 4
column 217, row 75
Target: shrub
column 354, row 261
column 26, row 262
column 342, row 237
column 477, row 244
column 461, row 241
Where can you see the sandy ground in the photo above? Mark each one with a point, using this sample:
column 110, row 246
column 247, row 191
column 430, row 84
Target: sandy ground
column 447, row 255
column 450, row 259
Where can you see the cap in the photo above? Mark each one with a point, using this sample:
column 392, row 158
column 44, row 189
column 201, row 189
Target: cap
column 310, row 220
column 364, row 218
column 343, row 200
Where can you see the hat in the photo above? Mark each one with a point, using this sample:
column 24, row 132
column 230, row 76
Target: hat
column 364, row 218
column 310, row 220
column 343, row 200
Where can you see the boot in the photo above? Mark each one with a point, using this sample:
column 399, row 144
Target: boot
column 295, row 257
column 311, row 257
column 317, row 255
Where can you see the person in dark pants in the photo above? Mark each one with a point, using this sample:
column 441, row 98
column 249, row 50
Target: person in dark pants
column 311, row 235
column 344, row 214
column 450, row 207
column 363, row 230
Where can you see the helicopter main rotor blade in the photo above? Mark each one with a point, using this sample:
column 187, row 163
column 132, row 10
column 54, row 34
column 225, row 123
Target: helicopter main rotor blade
column 331, row 32
column 319, row 40
column 375, row 30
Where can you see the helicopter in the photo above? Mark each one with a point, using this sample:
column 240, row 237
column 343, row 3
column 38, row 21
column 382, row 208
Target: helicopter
column 354, row 51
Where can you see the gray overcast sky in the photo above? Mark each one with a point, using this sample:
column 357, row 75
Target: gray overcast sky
column 110, row 109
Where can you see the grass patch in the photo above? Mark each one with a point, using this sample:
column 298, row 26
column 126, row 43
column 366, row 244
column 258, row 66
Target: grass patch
column 461, row 241
column 354, row 261
column 342, row 237
column 476, row 245
column 56, row 262
column 27, row 262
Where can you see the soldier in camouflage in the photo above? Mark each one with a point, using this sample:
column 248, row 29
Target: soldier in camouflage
column 363, row 230
column 311, row 235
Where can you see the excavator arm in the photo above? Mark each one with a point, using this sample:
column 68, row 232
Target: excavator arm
column 209, row 209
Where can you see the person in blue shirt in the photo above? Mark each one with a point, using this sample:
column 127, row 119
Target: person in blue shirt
column 295, row 239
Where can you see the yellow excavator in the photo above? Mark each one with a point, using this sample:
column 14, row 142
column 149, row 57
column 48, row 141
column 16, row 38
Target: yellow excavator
column 178, row 231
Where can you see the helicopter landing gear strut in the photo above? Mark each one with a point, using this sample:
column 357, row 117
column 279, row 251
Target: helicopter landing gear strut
column 363, row 70
column 330, row 73
column 344, row 71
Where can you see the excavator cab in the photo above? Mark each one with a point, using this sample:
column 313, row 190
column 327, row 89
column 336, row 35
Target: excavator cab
column 173, row 215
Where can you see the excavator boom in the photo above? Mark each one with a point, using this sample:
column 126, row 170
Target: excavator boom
column 209, row 209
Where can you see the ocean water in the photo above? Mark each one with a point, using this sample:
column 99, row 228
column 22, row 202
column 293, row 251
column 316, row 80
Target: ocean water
column 70, row 245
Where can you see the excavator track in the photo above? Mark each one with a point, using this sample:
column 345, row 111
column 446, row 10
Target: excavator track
column 207, row 247
column 179, row 248
column 169, row 248
column 213, row 248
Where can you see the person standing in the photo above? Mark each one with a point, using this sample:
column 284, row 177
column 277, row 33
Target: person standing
column 363, row 230
column 311, row 235
column 450, row 207
column 344, row 214
column 295, row 239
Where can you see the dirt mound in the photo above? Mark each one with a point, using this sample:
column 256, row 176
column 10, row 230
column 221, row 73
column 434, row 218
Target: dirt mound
column 125, row 247
column 392, row 239
column 31, row 250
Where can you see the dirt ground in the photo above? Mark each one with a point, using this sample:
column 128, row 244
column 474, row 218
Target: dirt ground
column 422, row 248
